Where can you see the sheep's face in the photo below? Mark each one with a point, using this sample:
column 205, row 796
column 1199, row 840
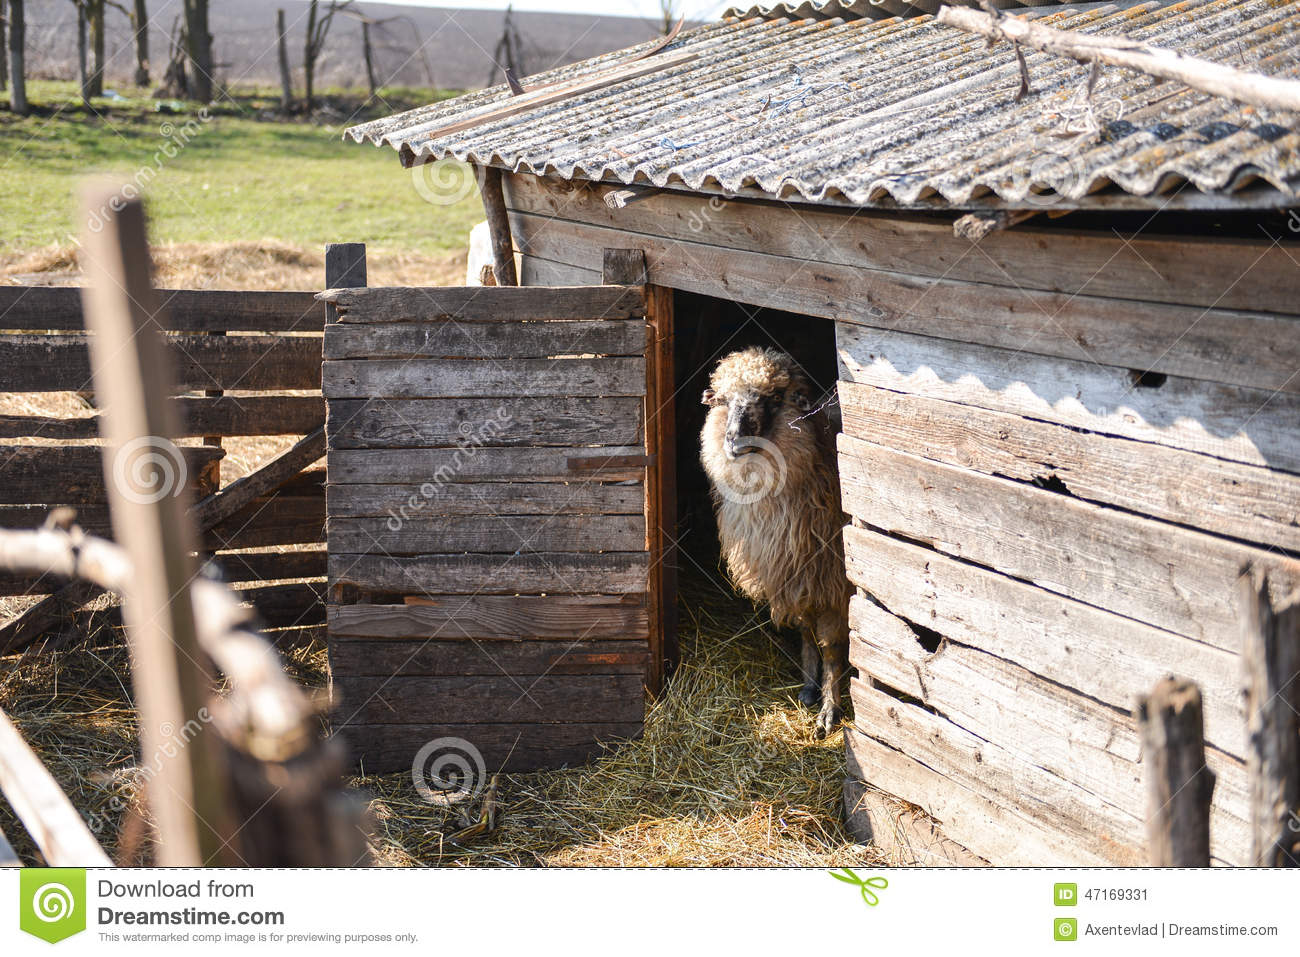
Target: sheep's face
column 751, row 394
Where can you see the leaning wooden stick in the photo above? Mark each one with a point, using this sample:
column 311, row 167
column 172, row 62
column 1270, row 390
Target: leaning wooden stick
column 1179, row 785
column 1253, row 88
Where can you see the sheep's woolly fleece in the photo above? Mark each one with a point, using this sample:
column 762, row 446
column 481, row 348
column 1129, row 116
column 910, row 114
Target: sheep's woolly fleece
column 762, row 370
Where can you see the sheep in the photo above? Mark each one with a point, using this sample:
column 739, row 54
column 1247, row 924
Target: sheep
column 770, row 458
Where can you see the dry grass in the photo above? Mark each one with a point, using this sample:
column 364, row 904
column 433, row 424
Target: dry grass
column 269, row 264
column 727, row 772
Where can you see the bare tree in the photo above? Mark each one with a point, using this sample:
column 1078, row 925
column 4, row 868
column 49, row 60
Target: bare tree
column 17, row 68
column 140, row 35
column 508, row 57
column 318, row 29
column 369, row 57
column 286, row 78
column 4, row 46
column 198, row 43
column 670, row 11
column 95, row 21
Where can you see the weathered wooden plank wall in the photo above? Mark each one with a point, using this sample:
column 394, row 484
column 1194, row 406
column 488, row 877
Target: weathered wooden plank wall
column 1060, row 448
column 487, row 583
column 267, row 364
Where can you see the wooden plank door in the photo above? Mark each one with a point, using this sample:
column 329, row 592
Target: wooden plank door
column 495, row 545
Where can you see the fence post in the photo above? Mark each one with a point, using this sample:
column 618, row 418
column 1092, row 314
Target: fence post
column 147, row 494
column 1179, row 785
column 1270, row 656
column 345, row 268
column 498, row 220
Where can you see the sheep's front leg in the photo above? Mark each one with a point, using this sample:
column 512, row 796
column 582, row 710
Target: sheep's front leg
column 811, row 693
column 833, row 642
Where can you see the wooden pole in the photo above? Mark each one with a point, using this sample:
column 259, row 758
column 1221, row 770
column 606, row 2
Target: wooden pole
column 169, row 671
column 1179, row 785
column 498, row 220
column 17, row 65
column 1204, row 75
column 286, row 79
column 1270, row 656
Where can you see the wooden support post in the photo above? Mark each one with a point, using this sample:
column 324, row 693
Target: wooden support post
column 169, row 671
column 498, row 220
column 627, row 267
column 345, row 268
column 1270, row 656
column 1179, row 785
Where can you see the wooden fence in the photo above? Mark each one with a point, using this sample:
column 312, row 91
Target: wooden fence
column 247, row 365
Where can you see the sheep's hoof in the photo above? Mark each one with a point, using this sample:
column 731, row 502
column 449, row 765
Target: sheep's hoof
column 810, row 695
column 827, row 720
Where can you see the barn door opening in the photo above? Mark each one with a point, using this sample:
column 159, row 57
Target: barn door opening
column 496, row 548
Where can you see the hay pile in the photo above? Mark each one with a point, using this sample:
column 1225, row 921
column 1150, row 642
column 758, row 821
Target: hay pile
column 727, row 773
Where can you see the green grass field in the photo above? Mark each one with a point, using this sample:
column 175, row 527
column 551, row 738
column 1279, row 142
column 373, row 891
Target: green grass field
column 240, row 175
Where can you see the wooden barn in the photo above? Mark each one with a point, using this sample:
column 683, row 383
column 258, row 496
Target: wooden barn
column 1061, row 323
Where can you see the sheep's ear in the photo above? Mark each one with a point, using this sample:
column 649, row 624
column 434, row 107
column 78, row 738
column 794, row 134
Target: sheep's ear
column 709, row 397
column 802, row 401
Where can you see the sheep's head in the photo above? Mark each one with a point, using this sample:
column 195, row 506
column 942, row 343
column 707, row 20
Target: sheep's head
column 755, row 392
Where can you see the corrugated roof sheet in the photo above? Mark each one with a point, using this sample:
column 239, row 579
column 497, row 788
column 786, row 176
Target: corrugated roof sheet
column 898, row 111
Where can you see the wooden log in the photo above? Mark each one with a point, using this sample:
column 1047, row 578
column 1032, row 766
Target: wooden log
column 1270, row 657
column 290, row 605
column 1065, row 641
column 58, row 308
column 994, row 830
column 486, row 340
column 793, row 246
column 477, row 304
column 1065, row 731
column 1230, row 422
column 284, row 518
column 402, row 501
column 37, row 800
column 278, row 565
column 1242, row 501
column 504, row 748
column 34, row 363
column 498, row 220
column 479, row 699
column 225, row 416
column 429, row 423
column 985, row 767
column 74, row 474
column 536, row 272
column 439, row 467
column 570, row 656
column 618, row 573
column 1274, row 93
column 187, row 795
column 1174, row 578
column 450, row 378
column 1179, row 784
column 275, row 473
column 496, row 617
column 488, row 534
